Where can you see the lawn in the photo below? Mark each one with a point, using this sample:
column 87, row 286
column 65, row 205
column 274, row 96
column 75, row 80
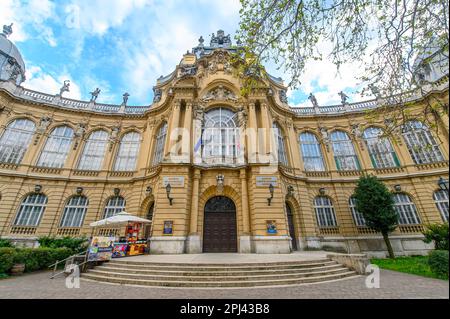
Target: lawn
column 416, row 265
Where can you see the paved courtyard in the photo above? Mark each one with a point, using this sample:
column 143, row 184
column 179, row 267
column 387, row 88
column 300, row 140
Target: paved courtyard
column 393, row 285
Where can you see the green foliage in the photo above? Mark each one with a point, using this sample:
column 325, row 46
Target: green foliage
column 6, row 243
column 437, row 233
column 438, row 261
column 375, row 203
column 33, row 258
column 416, row 265
column 76, row 244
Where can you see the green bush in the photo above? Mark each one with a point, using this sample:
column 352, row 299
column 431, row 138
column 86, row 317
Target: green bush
column 76, row 244
column 6, row 259
column 437, row 233
column 6, row 243
column 438, row 261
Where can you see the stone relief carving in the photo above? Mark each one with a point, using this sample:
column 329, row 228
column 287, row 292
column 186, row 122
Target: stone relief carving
column 114, row 136
column 325, row 137
column 242, row 117
column 157, row 94
column 290, row 191
column 187, row 70
column 42, row 127
column 220, row 94
column 283, row 96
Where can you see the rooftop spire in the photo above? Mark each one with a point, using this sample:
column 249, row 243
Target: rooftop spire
column 7, row 30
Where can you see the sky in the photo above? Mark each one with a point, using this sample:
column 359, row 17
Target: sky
column 125, row 45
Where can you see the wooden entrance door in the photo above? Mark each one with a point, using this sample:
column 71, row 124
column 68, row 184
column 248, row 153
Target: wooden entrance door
column 290, row 217
column 219, row 230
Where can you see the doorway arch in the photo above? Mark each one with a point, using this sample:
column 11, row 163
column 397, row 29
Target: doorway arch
column 219, row 227
column 291, row 226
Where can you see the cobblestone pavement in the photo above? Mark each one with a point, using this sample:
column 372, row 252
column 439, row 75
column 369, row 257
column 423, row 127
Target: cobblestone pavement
column 393, row 285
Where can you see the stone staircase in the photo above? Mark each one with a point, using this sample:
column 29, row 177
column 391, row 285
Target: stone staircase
column 210, row 275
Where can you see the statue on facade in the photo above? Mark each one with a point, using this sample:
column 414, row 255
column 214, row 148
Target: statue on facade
column 200, row 41
column 375, row 91
column 187, row 70
column 221, row 40
column 313, row 100
column 283, row 96
column 157, row 94
column 125, row 98
column 7, row 30
column 94, row 95
column 64, row 88
column 344, row 97
column 43, row 124
column 221, row 94
column 80, row 130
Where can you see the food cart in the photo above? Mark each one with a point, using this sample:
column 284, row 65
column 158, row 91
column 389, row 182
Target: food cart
column 129, row 245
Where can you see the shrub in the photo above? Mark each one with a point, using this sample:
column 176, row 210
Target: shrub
column 6, row 243
column 76, row 244
column 437, row 233
column 438, row 261
column 6, row 259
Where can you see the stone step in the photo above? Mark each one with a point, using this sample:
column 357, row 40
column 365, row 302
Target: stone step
column 219, row 267
column 217, row 284
column 248, row 277
column 114, row 268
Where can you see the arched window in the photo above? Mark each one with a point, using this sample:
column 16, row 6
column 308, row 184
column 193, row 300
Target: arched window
column 128, row 152
column 325, row 214
column 281, row 149
column 420, row 143
column 406, row 210
column 311, row 152
column 31, row 210
column 159, row 147
column 381, row 152
column 56, row 148
column 358, row 218
column 441, row 200
column 115, row 205
column 344, row 152
column 15, row 141
column 220, row 136
column 94, row 151
column 74, row 211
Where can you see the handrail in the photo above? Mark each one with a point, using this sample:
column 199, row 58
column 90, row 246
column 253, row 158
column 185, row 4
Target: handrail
column 55, row 265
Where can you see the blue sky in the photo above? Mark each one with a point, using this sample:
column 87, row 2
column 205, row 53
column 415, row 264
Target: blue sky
column 125, row 45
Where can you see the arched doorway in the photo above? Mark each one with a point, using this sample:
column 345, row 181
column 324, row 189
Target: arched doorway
column 290, row 218
column 219, row 230
column 149, row 216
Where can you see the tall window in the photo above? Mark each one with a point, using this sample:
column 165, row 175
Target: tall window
column 74, row 211
column 56, row 148
column 128, row 152
column 406, row 210
column 344, row 152
column 311, row 152
column 420, row 143
column 15, row 141
column 358, row 218
column 31, row 210
column 381, row 152
column 159, row 147
column 94, row 151
column 115, row 205
column 279, row 139
column 325, row 214
column 441, row 200
column 220, row 136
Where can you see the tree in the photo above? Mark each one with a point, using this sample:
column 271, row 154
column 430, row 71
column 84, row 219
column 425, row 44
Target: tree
column 393, row 38
column 437, row 233
column 375, row 203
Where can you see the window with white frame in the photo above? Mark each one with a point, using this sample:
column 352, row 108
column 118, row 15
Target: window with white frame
column 56, row 148
column 311, row 152
column 358, row 218
column 325, row 214
column 381, row 152
column 31, row 210
column 420, row 143
column 220, row 135
column 281, row 148
column 74, row 211
column 159, row 147
column 344, row 152
column 441, row 200
column 114, row 206
column 15, row 141
column 128, row 152
column 406, row 210
column 94, row 151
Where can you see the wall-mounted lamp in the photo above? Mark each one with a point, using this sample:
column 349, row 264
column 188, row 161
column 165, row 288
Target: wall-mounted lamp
column 168, row 189
column 322, row 191
column 37, row 188
column 79, row 190
column 116, row 191
column 271, row 189
column 397, row 188
column 148, row 190
column 443, row 184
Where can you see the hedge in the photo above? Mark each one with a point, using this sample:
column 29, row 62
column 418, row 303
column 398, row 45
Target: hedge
column 438, row 261
column 76, row 244
column 33, row 258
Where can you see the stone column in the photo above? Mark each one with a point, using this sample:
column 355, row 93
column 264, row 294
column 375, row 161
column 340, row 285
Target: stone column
column 198, row 123
column 186, row 139
column 193, row 243
column 252, row 137
column 174, row 123
column 267, row 125
column 244, row 238
column 297, row 161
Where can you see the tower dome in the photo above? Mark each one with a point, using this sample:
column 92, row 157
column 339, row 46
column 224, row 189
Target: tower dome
column 12, row 67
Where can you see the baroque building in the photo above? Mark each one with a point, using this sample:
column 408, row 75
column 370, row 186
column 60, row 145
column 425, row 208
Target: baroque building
column 245, row 173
